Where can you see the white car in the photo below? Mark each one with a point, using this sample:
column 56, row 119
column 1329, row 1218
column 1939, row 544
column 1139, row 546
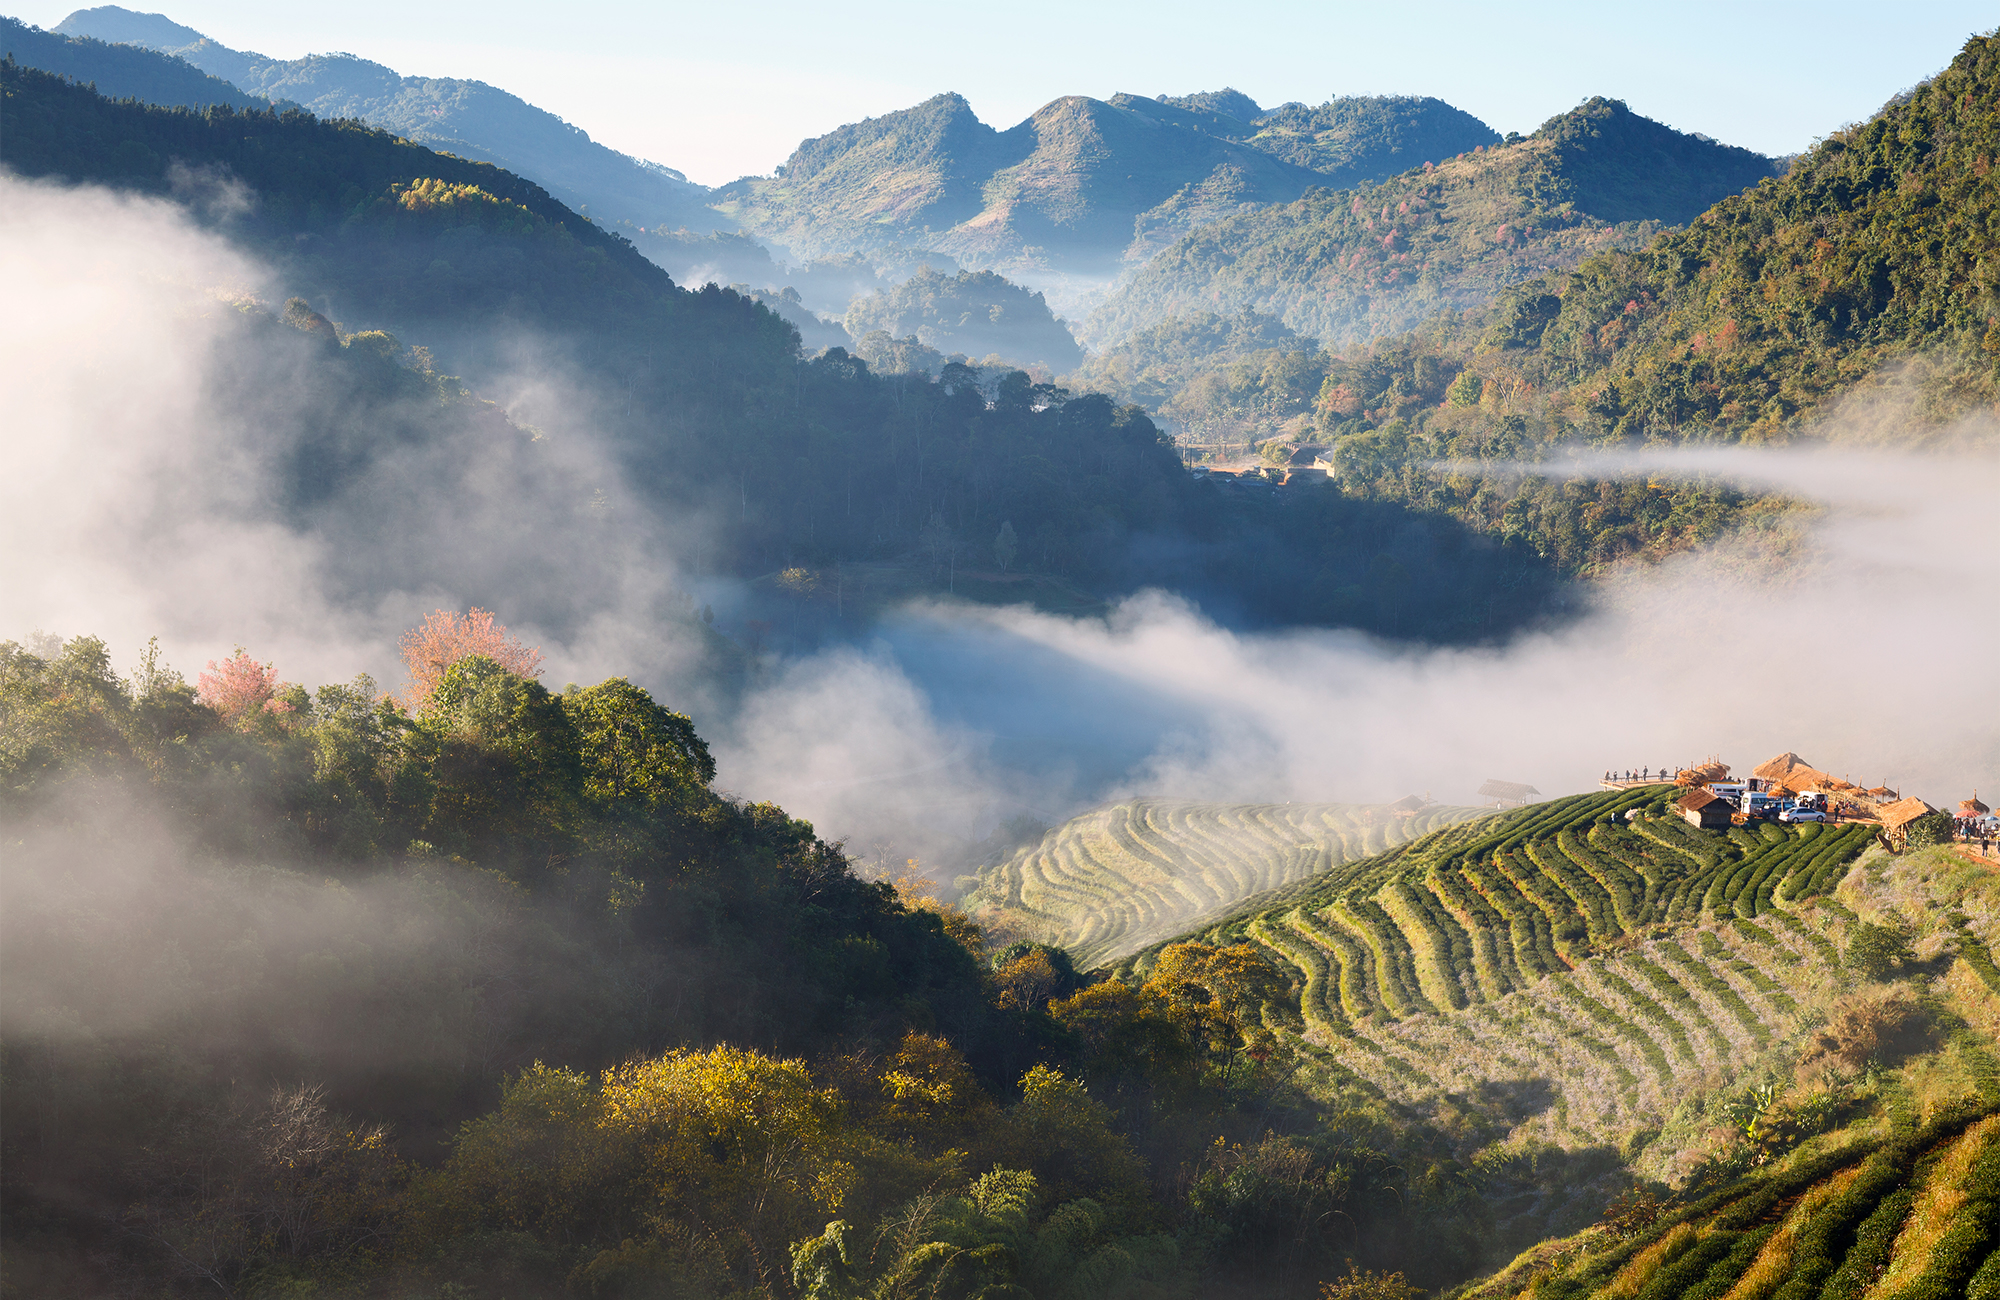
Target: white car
column 1801, row 815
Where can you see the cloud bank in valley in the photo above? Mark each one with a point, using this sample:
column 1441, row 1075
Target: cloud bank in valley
column 148, row 494
column 1873, row 655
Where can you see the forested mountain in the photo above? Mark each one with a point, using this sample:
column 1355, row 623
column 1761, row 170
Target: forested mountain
column 468, row 118
column 975, row 313
column 120, row 71
column 712, row 395
column 1355, row 140
column 1084, row 186
column 1354, row 264
column 1863, row 276
column 1059, row 191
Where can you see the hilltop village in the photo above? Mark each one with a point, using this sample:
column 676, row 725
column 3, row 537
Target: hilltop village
column 1789, row 790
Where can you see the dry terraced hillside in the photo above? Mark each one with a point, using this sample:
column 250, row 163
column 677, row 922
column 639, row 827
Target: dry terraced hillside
column 1559, row 975
column 1909, row 1211
column 1110, row 882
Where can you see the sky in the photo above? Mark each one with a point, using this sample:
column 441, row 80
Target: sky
column 726, row 90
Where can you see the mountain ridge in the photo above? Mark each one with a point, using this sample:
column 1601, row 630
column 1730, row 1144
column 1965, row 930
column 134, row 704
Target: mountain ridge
column 466, row 117
column 1345, row 265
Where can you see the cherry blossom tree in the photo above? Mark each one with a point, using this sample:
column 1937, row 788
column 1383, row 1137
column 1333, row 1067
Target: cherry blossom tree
column 241, row 689
column 447, row 637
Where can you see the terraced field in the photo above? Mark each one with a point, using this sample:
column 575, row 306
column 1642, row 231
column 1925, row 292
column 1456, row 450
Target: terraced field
column 1110, row 882
column 1559, row 973
column 1913, row 1214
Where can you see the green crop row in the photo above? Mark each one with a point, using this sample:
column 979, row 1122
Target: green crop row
column 1641, row 1042
column 1648, row 1010
column 1717, row 988
column 1979, row 957
column 1673, row 991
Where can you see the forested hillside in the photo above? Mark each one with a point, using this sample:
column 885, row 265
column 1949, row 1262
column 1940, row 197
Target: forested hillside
column 1356, row 140
column 712, row 396
column 467, row 118
column 1858, row 283
column 479, row 988
column 974, row 313
column 1346, row 266
column 1059, row 191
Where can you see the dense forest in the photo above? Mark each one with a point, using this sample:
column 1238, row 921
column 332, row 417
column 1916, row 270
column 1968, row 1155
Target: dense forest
column 802, row 464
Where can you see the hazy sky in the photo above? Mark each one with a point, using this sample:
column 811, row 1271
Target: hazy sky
column 724, row 90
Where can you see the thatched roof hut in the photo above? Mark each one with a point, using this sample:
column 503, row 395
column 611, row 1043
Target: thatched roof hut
column 1790, row 772
column 1896, row 818
column 1509, row 792
column 1710, row 769
column 1972, row 807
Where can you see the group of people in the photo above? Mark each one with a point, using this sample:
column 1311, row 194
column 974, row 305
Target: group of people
column 1977, row 831
column 1643, row 774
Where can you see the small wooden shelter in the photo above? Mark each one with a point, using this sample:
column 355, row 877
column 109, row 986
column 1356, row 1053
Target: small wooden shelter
column 1706, row 809
column 1407, row 806
column 1509, row 792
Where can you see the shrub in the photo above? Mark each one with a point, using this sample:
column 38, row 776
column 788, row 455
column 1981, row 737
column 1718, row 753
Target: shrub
column 1878, row 951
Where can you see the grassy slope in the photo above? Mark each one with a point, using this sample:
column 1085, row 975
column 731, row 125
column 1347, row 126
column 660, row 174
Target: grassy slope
column 1355, row 264
column 1112, row 881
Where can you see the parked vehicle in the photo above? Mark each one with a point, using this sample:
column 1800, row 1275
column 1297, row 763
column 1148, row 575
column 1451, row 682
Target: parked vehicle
column 1801, row 815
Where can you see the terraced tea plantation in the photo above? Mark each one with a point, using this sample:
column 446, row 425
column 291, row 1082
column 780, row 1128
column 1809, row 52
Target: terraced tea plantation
column 1912, row 1215
column 1560, row 972
column 1112, row 881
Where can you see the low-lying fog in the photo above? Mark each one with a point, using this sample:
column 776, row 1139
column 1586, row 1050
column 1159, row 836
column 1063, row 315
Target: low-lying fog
column 137, row 501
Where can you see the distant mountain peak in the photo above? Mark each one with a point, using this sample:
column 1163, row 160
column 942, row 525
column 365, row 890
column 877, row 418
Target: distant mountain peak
column 128, row 27
column 1228, row 101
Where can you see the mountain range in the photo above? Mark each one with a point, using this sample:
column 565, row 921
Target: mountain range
column 468, row 118
column 1083, row 187
column 1203, row 202
column 1445, row 236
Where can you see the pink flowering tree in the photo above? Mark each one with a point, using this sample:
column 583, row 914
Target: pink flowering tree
column 242, row 690
column 447, row 637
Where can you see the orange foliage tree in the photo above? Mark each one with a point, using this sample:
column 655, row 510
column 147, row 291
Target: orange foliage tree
column 447, row 637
